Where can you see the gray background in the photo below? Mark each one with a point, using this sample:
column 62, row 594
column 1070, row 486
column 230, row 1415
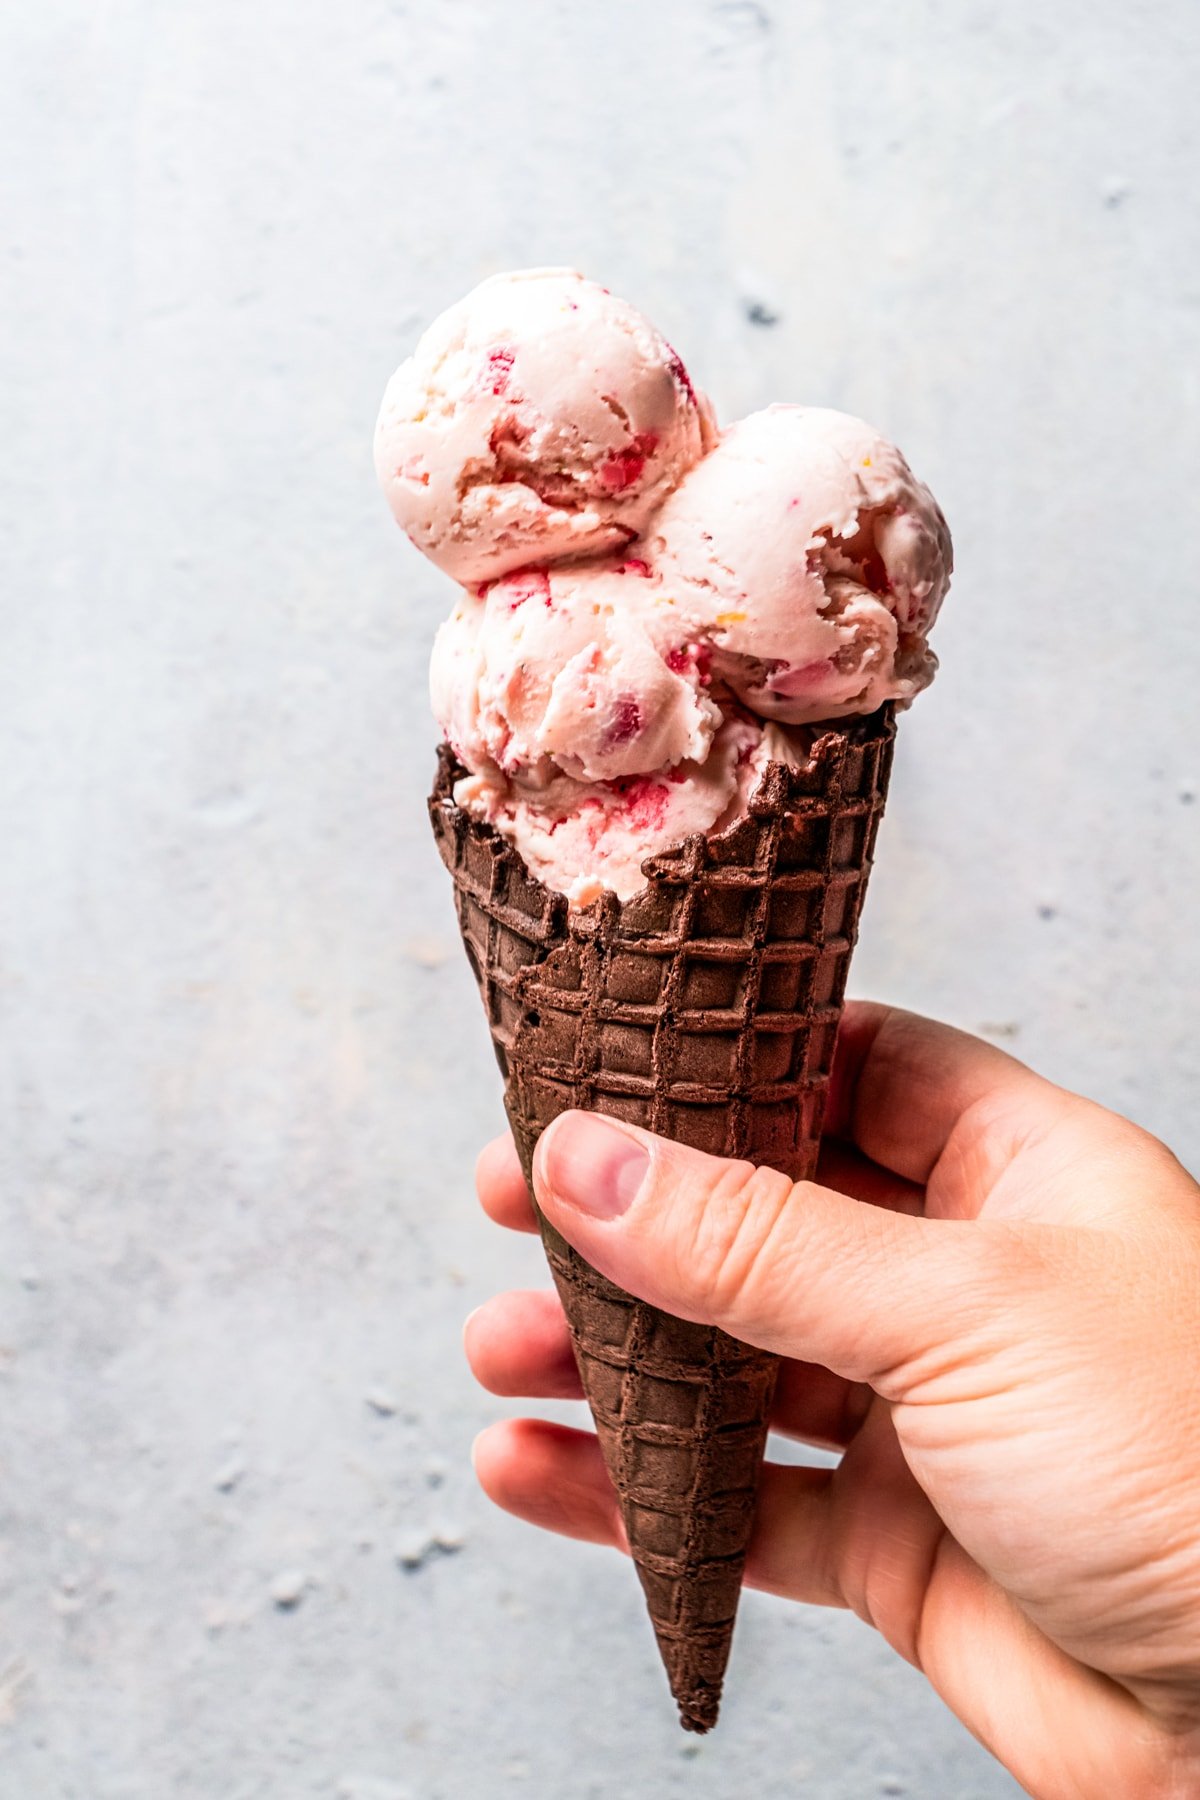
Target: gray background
column 244, row 1073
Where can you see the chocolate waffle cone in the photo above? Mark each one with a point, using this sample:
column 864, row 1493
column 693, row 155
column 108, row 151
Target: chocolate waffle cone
column 704, row 1008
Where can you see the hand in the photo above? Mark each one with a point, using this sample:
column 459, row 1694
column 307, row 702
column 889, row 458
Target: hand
column 991, row 1306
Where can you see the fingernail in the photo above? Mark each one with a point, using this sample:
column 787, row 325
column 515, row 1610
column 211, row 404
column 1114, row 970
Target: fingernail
column 593, row 1165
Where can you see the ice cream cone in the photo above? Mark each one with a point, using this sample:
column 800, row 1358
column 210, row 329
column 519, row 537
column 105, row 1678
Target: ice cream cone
column 705, row 1008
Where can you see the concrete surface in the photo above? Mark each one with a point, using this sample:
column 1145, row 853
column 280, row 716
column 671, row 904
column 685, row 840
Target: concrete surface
column 241, row 1553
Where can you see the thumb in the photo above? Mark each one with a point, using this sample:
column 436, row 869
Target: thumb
column 794, row 1268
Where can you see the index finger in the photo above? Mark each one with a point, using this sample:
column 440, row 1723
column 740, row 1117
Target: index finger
column 500, row 1184
column 901, row 1084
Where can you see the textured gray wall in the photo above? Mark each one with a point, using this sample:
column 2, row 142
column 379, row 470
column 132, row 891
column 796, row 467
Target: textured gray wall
column 244, row 1073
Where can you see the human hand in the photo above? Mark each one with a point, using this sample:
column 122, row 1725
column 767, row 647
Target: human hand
column 991, row 1305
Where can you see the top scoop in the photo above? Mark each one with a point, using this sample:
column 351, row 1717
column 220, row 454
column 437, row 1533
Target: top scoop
column 652, row 611
column 541, row 417
column 815, row 560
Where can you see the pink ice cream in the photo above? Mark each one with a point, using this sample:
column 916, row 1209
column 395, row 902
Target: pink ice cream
column 580, row 701
column 539, row 418
column 583, row 837
column 651, row 615
column 585, row 670
column 813, row 562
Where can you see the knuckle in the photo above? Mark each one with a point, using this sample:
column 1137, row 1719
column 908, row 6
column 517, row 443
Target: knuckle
column 738, row 1237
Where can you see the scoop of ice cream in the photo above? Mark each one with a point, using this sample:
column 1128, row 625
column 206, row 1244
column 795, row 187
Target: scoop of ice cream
column 812, row 560
column 585, row 838
column 601, row 705
column 646, row 608
column 586, row 671
column 539, row 418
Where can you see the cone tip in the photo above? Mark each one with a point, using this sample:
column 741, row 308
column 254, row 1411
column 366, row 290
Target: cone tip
column 698, row 1710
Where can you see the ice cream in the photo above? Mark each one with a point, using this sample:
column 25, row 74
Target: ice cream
column 650, row 612
column 582, row 838
column 813, row 562
column 541, row 417
column 581, row 703
column 586, row 670
column 582, row 699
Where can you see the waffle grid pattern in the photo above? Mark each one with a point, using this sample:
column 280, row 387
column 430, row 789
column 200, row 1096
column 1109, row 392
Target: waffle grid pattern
column 704, row 1008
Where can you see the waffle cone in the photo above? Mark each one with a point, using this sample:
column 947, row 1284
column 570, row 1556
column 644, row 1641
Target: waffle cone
column 704, row 1008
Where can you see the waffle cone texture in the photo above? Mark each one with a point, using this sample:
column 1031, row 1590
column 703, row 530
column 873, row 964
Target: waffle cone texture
column 704, row 1008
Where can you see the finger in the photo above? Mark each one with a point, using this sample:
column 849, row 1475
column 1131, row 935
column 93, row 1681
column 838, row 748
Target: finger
column 901, row 1084
column 843, row 1167
column 801, row 1270
column 550, row 1476
column 554, row 1477
column 518, row 1343
column 815, row 1406
column 500, row 1184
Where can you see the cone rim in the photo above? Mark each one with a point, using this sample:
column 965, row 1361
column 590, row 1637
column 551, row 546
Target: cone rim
column 783, row 787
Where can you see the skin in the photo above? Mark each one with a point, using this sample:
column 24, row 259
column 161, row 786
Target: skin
column 989, row 1301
